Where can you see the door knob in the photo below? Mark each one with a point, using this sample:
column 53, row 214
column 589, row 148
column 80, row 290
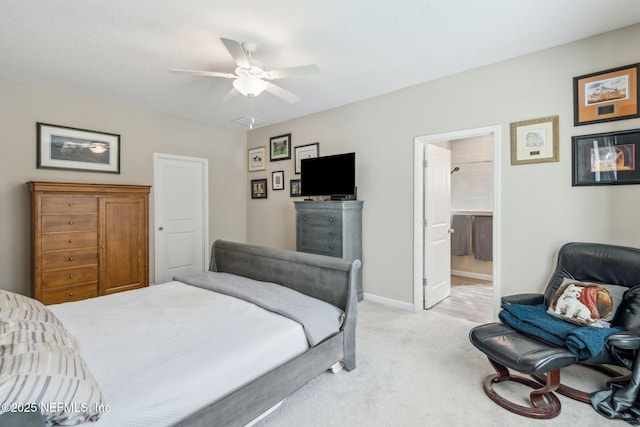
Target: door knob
column 161, row 228
column 451, row 231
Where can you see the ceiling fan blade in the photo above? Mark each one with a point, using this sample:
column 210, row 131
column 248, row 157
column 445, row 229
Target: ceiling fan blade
column 303, row 70
column 231, row 94
column 237, row 52
column 205, row 73
column 282, row 93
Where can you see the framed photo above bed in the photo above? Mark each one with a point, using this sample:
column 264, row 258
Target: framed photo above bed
column 62, row 147
column 606, row 95
column 606, row 158
column 277, row 180
column 257, row 159
column 296, row 187
column 280, row 147
column 305, row 152
column 535, row 141
column 259, row 188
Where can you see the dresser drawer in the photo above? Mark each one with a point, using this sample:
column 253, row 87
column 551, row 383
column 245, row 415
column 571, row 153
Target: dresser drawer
column 68, row 205
column 69, row 276
column 320, row 218
column 320, row 240
column 70, row 293
column 70, row 258
column 72, row 240
column 53, row 223
column 321, row 248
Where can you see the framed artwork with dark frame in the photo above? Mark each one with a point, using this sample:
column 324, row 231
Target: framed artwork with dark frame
column 277, row 180
column 296, row 187
column 535, row 141
column 61, row 147
column 305, row 152
column 606, row 95
column 257, row 159
column 606, row 158
column 280, row 147
column 259, row 188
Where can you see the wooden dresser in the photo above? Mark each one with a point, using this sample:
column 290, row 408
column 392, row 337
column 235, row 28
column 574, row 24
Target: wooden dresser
column 88, row 240
column 332, row 228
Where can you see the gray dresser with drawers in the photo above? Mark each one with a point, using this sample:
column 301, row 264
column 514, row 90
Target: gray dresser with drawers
column 332, row 228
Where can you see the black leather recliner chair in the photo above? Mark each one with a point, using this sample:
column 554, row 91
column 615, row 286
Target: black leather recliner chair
column 506, row 348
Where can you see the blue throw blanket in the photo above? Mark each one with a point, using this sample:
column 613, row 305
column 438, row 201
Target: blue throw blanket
column 583, row 341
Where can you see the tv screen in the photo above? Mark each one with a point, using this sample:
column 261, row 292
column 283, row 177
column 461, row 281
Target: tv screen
column 329, row 175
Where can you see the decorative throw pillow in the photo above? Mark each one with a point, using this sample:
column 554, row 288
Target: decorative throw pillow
column 19, row 307
column 583, row 303
column 41, row 366
column 52, row 378
column 29, row 331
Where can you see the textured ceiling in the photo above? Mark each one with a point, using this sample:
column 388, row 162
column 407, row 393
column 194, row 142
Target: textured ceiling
column 121, row 50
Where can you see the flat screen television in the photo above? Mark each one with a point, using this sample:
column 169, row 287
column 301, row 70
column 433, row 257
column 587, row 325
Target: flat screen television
column 333, row 176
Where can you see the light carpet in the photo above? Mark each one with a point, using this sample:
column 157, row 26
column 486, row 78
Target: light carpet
column 419, row 369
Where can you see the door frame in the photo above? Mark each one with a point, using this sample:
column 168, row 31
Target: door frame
column 205, row 204
column 418, row 203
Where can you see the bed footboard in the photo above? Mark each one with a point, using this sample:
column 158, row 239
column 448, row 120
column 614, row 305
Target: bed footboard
column 332, row 280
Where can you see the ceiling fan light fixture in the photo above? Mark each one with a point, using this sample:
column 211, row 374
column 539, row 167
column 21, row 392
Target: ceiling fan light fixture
column 250, row 86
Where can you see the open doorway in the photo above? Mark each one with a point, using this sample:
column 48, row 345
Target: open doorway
column 474, row 163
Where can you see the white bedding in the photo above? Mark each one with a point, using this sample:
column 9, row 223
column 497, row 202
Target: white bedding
column 161, row 353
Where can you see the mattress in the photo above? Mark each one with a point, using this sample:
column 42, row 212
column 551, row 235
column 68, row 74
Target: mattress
column 161, row 353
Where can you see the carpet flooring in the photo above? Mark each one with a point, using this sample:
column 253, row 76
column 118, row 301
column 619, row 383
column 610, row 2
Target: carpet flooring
column 419, row 369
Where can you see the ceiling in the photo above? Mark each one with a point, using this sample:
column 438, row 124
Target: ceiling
column 121, row 50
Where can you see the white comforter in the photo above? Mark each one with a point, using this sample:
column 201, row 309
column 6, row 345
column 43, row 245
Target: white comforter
column 163, row 352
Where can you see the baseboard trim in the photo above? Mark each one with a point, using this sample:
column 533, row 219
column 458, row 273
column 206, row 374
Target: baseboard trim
column 388, row 301
column 472, row 275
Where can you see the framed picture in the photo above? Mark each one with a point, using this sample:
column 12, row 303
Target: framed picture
column 259, row 188
column 61, row 147
column 280, row 147
column 257, row 158
column 606, row 95
column 296, row 187
column 277, row 180
column 305, row 152
column 535, row 141
column 606, row 158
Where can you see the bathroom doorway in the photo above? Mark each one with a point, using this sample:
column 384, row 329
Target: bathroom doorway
column 474, row 176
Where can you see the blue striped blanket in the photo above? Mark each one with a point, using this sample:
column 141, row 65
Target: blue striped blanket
column 583, row 341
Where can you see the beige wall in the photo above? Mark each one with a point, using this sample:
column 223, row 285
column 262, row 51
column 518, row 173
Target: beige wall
column 142, row 134
column 540, row 208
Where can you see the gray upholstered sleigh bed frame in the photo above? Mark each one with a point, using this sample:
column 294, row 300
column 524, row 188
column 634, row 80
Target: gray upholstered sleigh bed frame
column 329, row 279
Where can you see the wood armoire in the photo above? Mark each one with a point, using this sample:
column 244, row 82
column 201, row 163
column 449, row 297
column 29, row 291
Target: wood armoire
column 88, row 239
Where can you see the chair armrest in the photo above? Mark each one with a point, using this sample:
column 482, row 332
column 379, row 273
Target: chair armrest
column 527, row 299
column 624, row 341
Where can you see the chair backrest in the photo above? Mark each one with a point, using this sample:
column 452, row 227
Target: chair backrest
column 595, row 262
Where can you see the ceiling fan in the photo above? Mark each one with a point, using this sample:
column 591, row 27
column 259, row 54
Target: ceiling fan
column 250, row 78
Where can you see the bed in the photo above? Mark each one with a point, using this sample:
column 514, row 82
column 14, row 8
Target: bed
column 194, row 352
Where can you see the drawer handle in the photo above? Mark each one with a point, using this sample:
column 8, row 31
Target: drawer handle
column 70, row 222
column 71, row 276
column 70, row 240
column 330, row 246
column 330, row 219
column 71, row 258
column 70, row 294
column 304, row 218
column 70, row 204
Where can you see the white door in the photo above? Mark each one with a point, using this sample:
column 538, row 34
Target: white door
column 181, row 218
column 437, row 204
